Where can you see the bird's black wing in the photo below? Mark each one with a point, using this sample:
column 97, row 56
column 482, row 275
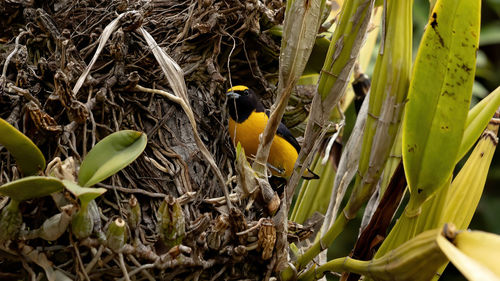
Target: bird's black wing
column 285, row 133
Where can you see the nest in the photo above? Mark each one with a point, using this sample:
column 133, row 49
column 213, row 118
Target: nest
column 45, row 48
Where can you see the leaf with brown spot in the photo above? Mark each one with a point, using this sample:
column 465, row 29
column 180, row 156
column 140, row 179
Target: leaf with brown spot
column 443, row 66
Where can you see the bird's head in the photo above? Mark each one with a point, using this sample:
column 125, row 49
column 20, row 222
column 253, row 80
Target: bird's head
column 241, row 102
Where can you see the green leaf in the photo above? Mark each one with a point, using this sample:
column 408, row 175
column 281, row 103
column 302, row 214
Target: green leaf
column 31, row 187
column 29, row 158
column 318, row 54
column 85, row 194
column 439, row 97
column 110, row 155
column 478, row 119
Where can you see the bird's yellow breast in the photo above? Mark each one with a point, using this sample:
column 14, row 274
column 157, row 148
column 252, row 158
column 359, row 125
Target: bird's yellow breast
column 282, row 155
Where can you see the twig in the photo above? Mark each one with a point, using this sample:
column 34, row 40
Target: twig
column 133, row 190
column 221, row 200
column 94, row 260
column 138, row 264
column 79, row 258
column 139, row 269
column 218, row 274
column 9, row 57
column 25, row 93
column 30, row 270
column 123, row 268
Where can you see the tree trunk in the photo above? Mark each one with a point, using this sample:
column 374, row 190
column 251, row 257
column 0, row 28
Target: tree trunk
column 52, row 42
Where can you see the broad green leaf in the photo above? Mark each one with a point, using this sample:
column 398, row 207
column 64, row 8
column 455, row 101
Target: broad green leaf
column 85, row 194
column 314, row 195
column 416, row 260
column 342, row 53
column 31, row 187
column 432, row 4
column 478, row 118
column 453, row 203
column 110, row 155
column 439, row 96
column 29, row 158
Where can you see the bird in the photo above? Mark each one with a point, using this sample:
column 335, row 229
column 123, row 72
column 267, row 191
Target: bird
column 248, row 119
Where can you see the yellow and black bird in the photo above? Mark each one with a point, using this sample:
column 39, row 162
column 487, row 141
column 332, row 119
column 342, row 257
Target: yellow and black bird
column 248, row 119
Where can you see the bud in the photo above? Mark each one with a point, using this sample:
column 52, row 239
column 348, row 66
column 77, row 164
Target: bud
column 10, row 221
column 171, row 222
column 116, row 235
column 134, row 212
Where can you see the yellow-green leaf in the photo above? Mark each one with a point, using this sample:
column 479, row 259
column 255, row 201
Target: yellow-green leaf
column 475, row 254
column 439, row 96
column 29, row 158
column 482, row 246
column 467, row 187
column 477, row 119
column 31, row 187
column 110, row 155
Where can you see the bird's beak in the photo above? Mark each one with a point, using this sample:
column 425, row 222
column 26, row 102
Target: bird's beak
column 233, row 95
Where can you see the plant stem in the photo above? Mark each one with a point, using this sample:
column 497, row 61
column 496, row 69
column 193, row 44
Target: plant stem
column 336, row 265
column 323, row 242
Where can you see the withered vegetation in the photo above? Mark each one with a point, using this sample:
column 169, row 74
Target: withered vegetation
column 46, row 45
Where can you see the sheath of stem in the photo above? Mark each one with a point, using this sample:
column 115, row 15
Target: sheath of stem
column 388, row 93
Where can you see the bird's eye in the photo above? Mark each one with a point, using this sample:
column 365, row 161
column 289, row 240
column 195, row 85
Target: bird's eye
column 245, row 92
